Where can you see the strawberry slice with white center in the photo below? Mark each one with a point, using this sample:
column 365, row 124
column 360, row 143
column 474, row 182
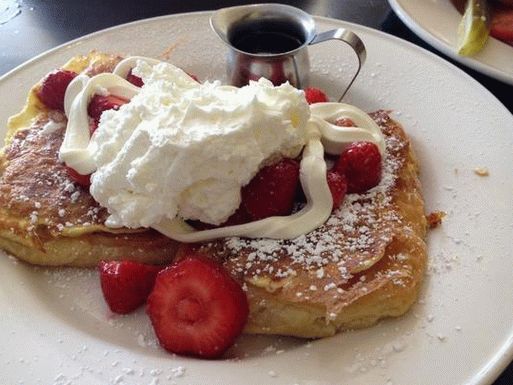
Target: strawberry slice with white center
column 196, row 308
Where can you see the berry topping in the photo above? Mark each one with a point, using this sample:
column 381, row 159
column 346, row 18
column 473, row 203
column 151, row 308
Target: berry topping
column 134, row 79
column 238, row 217
column 196, row 308
column 100, row 103
column 344, row 122
column 361, row 164
column 54, row 87
column 126, row 284
column 315, row 95
column 271, row 192
column 82, row 180
column 338, row 187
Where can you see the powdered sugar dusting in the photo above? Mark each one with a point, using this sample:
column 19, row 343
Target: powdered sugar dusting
column 366, row 220
column 35, row 185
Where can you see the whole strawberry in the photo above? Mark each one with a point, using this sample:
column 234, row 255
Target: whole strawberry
column 361, row 164
column 196, row 308
column 53, row 88
column 315, row 95
column 271, row 192
column 338, row 187
column 126, row 284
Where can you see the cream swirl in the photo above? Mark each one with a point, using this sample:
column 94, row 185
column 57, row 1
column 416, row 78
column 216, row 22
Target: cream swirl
column 147, row 158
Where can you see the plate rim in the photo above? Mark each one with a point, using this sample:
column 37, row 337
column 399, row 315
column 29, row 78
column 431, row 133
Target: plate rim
column 428, row 37
column 503, row 356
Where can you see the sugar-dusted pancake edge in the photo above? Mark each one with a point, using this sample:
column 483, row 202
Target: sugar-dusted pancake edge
column 46, row 219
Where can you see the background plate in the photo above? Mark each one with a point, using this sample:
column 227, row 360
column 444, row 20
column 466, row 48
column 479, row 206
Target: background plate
column 436, row 22
column 55, row 328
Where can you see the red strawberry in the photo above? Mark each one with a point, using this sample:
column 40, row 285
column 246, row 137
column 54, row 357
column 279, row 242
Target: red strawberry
column 196, row 308
column 271, row 192
column 338, row 187
column 134, row 79
column 239, row 217
column 82, row 180
column 502, row 24
column 315, row 95
column 344, row 122
column 361, row 164
column 54, row 87
column 126, row 284
column 100, row 103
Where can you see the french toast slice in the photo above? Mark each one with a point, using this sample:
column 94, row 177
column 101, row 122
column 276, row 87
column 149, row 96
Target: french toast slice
column 45, row 218
column 365, row 263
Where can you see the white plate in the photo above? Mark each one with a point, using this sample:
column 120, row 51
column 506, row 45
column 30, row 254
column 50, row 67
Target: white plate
column 436, row 22
column 55, row 328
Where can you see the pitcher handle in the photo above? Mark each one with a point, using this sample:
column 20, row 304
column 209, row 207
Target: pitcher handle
column 351, row 39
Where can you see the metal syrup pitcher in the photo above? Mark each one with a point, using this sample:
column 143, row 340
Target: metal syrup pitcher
column 271, row 41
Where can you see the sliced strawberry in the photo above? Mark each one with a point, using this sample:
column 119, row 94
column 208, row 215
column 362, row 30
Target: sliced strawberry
column 82, row 180
column 126, row 284
column 196, row 308
column 271, row 192
column 134, row 79
column 344, row 122
column 100, row 103
column 315, row 95
column 361, row 164
column 338, row 187
column 502, row 24
column 54, row 87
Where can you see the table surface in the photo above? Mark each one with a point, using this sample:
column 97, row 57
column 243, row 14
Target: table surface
column 42, row 25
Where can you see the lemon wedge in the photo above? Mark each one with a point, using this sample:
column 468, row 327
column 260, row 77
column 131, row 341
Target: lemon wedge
column 474, row 28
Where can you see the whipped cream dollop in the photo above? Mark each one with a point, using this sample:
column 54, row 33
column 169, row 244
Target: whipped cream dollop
column 183, row 150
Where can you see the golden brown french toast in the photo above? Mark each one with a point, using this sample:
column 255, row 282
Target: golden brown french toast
column 365, row 263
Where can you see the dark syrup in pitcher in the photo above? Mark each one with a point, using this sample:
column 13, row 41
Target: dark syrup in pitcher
column 267, row 36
